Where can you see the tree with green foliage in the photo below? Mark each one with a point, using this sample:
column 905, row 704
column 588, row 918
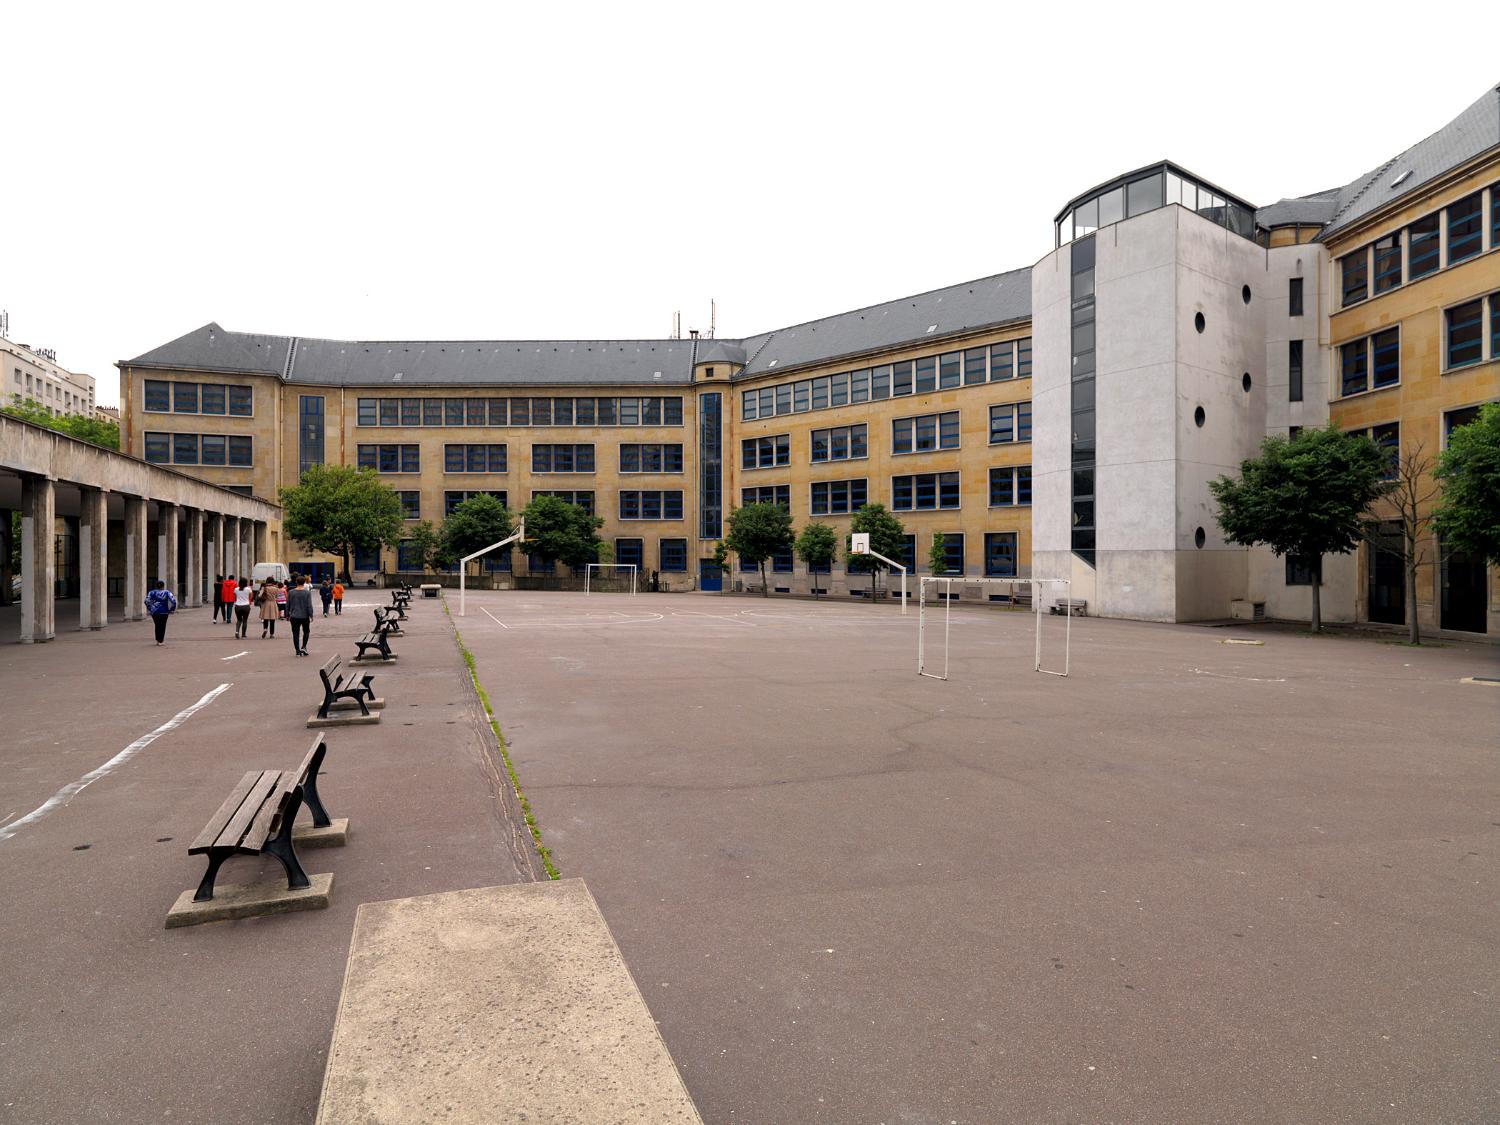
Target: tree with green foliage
column 1305, row 496
column 475, row 524
column 937, row 555
column 606, row 552
column 1409, row 494
column 1468, row 516
column 758, row 531
column 557, row 531
column 887, row 537
column 339, row 509
column 721, row 560
column 816, row 547
column 423, row 541
column 79, row 426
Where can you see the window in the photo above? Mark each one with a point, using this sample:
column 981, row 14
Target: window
column 241, row 402
column 843, row 443
column 820, row 393
column 652, row 505
column 584, row 499
column 367, row 559
column 474, row 458
column 953, row 552
column 1388, row 437
column 1386, row 349
column 1354, row 366
column 390, row 458
column 213, row 398
column 1465, row 334
column 368, row 412
column 925, row 432
column 309, row 431
column 1010, row 485
column 240, row 451
column 562, row 458
column 908, row 555
column 801, row 397
column 213, row 449
column 1422, row 247
column 1023, row 358
column 749, row 405
column 451, row 500
column 1000, row 554
column 1355, row 270
column 782, row 560
column 1388, row 263
column 901, row 378
column 768, row 494
column 674, row 554
column 926, row 374
column 1465, row 228
column 411, row 504
column 1010, row 421
column 184, row 398
column 1299, row 570
column 766, row 452
column 1495, row 323
column 158, row 395
column 1002, row 361
column 650, row 458
column 924, row 492
column 1453, row 419
column 880, row 383
column 184, row 449
column 158, row 448
column 541, row 412
column 1294, row 296
column 974, row 366
column 950, row 370
column 407, row 557
column 1294, row 371
column 838, row 497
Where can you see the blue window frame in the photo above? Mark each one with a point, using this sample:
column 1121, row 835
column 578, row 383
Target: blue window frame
column 406, row 556
column 185, row 398
column 953, row 552
column 1387, row 263
column 1023, row 358
column 1355, row 271
column 901, row 378
column 411, row 504
column 213, row 448
column 926, row 374
column 974, row 366
column 1000, row 554
column 1422, row 244
column 674, row 558
column 950, row 370
column 1354, row 367
column 637, row 504
column 214, row 398
column 1002, row 361
column 184, row 449
column 925, row 432
column 368, row 412
column 367, row 558
column 841, row 443
column 1002, row 486
column 1386, row 347
column 1465, row 334
column 1465, row 228
column 241, row 450
column 158, row 396
column 838, row 497
column 631, row 552
column 880, row 383
column 925, row 492
column 908, row 555
column 241, row 401
column 158, row 448
column 768, row 494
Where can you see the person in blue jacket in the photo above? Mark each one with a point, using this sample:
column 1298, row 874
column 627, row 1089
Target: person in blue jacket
column 161, row 603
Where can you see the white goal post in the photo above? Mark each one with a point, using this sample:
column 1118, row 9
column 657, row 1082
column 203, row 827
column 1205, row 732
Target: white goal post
column 588, row 574
column 1037, row 586
column 463, row 563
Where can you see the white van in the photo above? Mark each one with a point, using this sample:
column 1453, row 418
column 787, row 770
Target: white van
column 263, row 570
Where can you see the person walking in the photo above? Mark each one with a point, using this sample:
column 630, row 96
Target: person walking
column 338, row 597
column 218, row 596
column 269, row 609
column 161, row 603
column 243, row 597
column 229, row 592
column 299, row 610
column 325, row 592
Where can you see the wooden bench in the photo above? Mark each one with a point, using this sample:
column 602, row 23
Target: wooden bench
column 337, row 685
column 377, row 641
column 399, row 604
column 1071, row 607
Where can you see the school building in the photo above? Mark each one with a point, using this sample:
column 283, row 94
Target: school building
column 1061, row 420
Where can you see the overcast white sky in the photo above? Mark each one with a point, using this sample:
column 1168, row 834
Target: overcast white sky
column 574, row 171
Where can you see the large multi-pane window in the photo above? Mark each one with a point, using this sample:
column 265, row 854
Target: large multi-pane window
column 768, row 452
column 1388, row 263
column 638, row 504
column 710, row 465
column 1354, row 269
column 453, row 498
column 953, row 553
column 925, row 432
column 1380, row 352
column 562, row 458
column 1423, row 246
column 1010, row 486
column 838, row 497
column 309, row 430
column 920, row 492
column 236, row 450
column 213, row 449
column 517, row 411
column 1294, row 371
column 390, row 458
column 581, row 498
column 1465, row 325
column 841, row 443
column 673, row 555
column 163, row 396
column 411, row 504
column 1000, row 554
column 651, row 458
column 1465, row 228
column 1010, row 421
column 472, row 458
column 768, row 494
column 185, row 398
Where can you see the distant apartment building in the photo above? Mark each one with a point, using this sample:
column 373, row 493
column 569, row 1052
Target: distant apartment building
column 33, row 374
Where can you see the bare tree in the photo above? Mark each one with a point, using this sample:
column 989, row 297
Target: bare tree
column 1410, row 492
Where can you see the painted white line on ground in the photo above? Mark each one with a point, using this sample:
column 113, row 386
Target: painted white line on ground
column 715, row 616
column 495, row 619
column 68, row 792
column 236, row 656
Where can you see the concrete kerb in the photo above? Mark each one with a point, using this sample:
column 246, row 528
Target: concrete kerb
column 249, row 900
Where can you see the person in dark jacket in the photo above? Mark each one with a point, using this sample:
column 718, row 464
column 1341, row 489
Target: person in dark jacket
column 219, row 597
column 325, row 592
column 299, row 610
column 161, row 603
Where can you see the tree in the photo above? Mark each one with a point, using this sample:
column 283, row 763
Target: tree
column 937, row 556
column 1411, row 494
column 339, row 509
column 721, row 559
column 557, row 531
column 758, row 531
column 79, row 426
column 887, row 537
column 475, row 524
column 605, row 553
column 1304, row 496
column 423, row 541
column 1468, row 518
column 816, row 547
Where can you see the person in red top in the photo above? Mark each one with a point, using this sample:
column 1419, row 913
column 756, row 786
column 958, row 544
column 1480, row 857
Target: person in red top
column 227, row 593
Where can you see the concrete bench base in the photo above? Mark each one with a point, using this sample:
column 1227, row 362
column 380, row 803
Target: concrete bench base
column 496, row 1004
column 362, row 661
column 249, row 900
column 354, row 720
column 350, row 705
column 336, row 835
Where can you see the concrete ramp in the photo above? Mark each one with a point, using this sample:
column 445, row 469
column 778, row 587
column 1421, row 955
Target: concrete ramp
column 496, row 1004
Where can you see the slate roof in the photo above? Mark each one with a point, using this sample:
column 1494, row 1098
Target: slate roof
column 1309, row 210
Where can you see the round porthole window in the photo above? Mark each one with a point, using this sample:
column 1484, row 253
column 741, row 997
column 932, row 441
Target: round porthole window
column 1200, row 537
column 1245, row 293
column 1245, row 381
column 1199, row 417
column 1199, row 323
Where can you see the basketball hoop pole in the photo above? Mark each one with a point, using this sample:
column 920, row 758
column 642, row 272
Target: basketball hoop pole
column 862, row 540
column 463, row 563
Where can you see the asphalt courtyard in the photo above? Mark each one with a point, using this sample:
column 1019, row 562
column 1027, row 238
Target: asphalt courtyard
column 1192, row 881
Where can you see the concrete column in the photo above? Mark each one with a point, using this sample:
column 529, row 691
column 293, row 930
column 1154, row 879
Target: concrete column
column 166, row 543
column 232, row 546
column 192, row 578
column 38, row 559
column 217, row 556
column 5, row 574
column 247, row 548
column 262, row 541
column 135, row 558
column 93, row 559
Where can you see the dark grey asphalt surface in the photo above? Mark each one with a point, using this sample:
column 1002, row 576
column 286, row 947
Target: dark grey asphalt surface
column 107, row 1017
column 1192, row 882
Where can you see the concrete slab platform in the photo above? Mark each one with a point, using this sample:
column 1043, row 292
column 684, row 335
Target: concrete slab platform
column 497, row 1004
column 349, row 705
column 249, row 900
column 335, row 835
column 364, row 661
column 313, row 722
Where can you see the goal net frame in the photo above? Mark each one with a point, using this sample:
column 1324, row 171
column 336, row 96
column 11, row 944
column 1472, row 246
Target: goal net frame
column 588, row 575
column 1037, row 587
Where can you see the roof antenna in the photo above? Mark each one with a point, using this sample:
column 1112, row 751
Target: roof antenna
column 713, row 317
column 676, row 325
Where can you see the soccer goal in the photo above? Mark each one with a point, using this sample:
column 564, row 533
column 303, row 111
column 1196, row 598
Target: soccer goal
column 1038, row 589
column 588, row 574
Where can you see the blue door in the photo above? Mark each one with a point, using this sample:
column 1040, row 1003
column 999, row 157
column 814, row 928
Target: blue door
column 710, row 577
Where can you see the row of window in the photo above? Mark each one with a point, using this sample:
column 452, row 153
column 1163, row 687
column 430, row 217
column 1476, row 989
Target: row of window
column 235, row 450
column 173, row 397
column 550, row 411
column 972, row 366
column 999, row 556
column 922, row 433
column 1374, row 361
column 548, row 458
column 1444, row 238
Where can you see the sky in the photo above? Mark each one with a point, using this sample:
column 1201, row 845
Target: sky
column 456, row 171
